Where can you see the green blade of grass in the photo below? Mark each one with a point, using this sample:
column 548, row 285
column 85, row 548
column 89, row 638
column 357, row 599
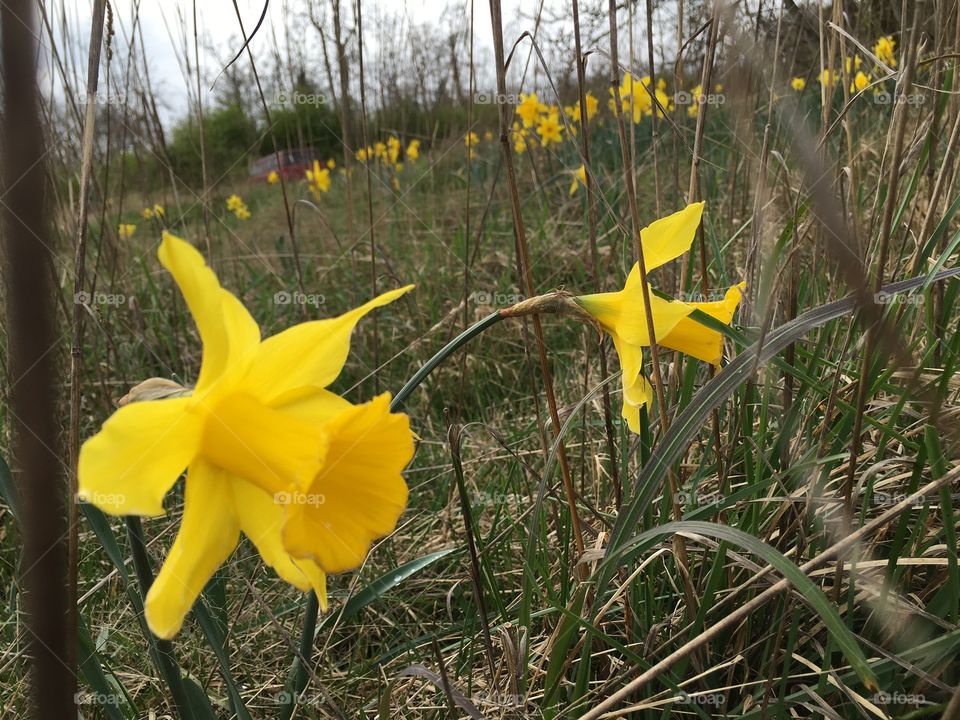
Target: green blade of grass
column 812, row 594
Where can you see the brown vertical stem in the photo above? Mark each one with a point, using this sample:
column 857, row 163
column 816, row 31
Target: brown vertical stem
column 526, row 270
column 886, row 225
column 679, row 545
column 594, row 254
column 32, row 342
column 79, row 313
column 204, row 198
column 654, row 129
column 370, row 219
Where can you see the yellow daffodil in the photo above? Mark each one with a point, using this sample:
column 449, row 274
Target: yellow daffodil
column 530, row 109
column 885, row 50
column 664, row 102
column 159, row 211
column 798, row 84
column 310, row 478
column 635, row 97
column 471, row 140
column 362, row 155
column 126, row 230
column 238, row 207
column 413, row 150
column 379, row 150
column 273, row 178
column 860, row 82
column 579, row 178
column 488, row 136
column 318, row 179
column 623, row 316
column 828, row 78
column 592, row 104
column 518, row 135
column 695, row 100
column 548, row 128
column 331, row 164
column 852, row 63
column 393, row 149
column 147, row 213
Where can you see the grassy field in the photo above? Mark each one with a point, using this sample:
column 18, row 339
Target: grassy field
column 757, row 550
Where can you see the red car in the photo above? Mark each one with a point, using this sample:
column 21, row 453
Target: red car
column 293, row 164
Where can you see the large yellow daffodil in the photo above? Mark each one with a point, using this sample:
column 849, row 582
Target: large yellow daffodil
column 265, row 445
column 622, row 314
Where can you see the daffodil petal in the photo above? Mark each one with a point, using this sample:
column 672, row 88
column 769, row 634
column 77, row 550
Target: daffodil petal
column 668, row 238
column 261, row 519
column 359, row 494
column 699, row 341
column 128, row 467
column 208, row 533
column 623, row 314
column 312, row 353
column 637, row 392
column 310, row 404
column 228, row 333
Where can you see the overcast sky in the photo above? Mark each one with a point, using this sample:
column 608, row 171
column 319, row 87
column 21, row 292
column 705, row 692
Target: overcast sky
column 162, row 26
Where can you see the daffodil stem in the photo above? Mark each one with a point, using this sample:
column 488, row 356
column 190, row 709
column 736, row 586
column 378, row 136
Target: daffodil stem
column 298, row 673
column 445, row 352
column 162, row 649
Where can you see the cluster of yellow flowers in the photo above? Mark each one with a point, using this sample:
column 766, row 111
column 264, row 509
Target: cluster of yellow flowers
column 238, row 207
column 273, row 177
column 545, row 121
column 126, row 230
column 389, row 153
column 156, row 211
column 884, row 49
column 318, row 178
column 471, row 140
